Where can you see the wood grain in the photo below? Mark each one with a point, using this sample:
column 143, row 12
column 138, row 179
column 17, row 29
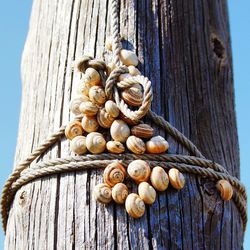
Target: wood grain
column 184, row 48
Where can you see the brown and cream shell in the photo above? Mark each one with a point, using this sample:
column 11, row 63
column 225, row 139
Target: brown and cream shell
column 142, row 131
column 133, row 96
column 133, row 70
column 78, row 145
column 139, row 170
column 157, row 145
column 128, row 57
column 135, row 206
column 115, row 147
column 95, row 142
column 73, row 129
column 127, row 120
column 176, row 178
column 119, row 131
column 83, row 88
column 88, row 108
column 159, row 178
column 112, row 108
column 75, row 104
column 92, row 77
column 97, row 95
column 89, row 124
column 102, row 193
column 225, row 189
column 135, row 145
column 104, row 119
column 147, row 193
column 114, row 173
column 120, row 193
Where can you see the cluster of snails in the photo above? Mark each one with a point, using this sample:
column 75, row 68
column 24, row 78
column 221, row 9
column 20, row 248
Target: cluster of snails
column 148, row 183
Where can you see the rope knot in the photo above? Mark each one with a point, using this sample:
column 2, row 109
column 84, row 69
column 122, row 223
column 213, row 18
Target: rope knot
column 88, row 61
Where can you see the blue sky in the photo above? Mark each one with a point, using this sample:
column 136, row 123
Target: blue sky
column 14, row 17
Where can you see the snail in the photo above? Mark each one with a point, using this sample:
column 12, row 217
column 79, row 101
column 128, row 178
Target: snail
column 89, row 123
column 128, row 120
column 225, row 189
column 128, row 57
column 108, row 43
column 133, row 70
column 119, row 131
column 110, row 67
column 139, row 170
column 142, row 131
column 176, row 178
column 157, row 145
column 147, row 193
column 112, row 108
column 92, row 77
column 73, row 129
column 95, row 143
column 78, row 145
column 114, row 173
column 75, row 104
column 159, row 178
column 136, row 145
column 102, row 193
column 123, row 76
column 115, row 147
column 133, row 96
column 83, row 88
column 97, row 95
column 119, row 193
column 88, row 108
column 135, row 206
column 104, row 119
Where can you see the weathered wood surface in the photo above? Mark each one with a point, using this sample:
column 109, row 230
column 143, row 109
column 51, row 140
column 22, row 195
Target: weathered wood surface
column 184, row 47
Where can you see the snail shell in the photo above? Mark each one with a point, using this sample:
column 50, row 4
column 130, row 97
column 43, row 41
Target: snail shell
column 176, row 178
column 123, row 76
column 147, row 193
column 127, row 120
column 142, row 131
column 92, row 77
column 133, row 70
column 97, row 95
column 159, row 179
column 119, row 193
column 83, row 88
column 135, row 206
column 73, row 129
column 112, row 108
column 119, row 131
column 115, row 147
column 110, row 67
column 157, row 145
column 225, row 189
column 136, row 145
column 95, row 143
column 104, row 119
column 75, row 104
column 128, row 57
column 78, row 145
column 88, row 108
column 133, row 96
column 139, row 170
column 108, row 43
column 114, row 173
column 102, row 193
column 89, row 124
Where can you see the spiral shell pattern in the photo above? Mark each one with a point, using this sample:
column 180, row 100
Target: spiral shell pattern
column 78, row 145
column 136, row 145
column 114, row 173
column 104, row 119
column 88, row 108
column 115, row 147
column 75, row 104
column 102, row 193
column 139, row 170
column 132, row 96
column 225, row 189
column 119, row 193
column 135, row 206
column 176, row 178
column 159, row 178
column 97, row 95
column 73, row 129
column 95, row 143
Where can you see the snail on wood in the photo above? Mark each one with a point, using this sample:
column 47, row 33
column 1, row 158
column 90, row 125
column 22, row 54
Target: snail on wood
column 139, row 170
column 108, row 43
column 112, row 108
column 176, row 178
column 104, row 119
column 225, row 189
column 95, row 142
column 142, row 131
column 147, row 193
column 75, row 104
column 136, row 145
column 115, row 147
column 102, row 193
column 157, row 145
column 97, row 95
column 73, row 129
column 135, row 206
column 119, row 131
column 159, row 178
column 88, row 108
column 133, row 96
column 127, row 120
column 92, row 77
column 119, row 193
column 83, row 88
column 78, row 145
column 89, row 123
column 114, row 173
column 128, row 57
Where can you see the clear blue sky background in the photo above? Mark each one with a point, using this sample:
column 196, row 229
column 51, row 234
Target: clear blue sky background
column 14, row 17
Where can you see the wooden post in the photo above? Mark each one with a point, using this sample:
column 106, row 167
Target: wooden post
column 184, row 48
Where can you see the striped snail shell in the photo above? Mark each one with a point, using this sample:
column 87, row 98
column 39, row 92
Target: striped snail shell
column 128, row 120
column 89, row 124
column 78, row 145
column 159, row 178
column 95, row 142
column 104, row 119
column 136, row 145
column 157, row 145
column 176, row 178
column 73, row 129
column 225, row 189
column 102, row 193
column 88, row 108
column 112, row 108
column 128, row 57
column 142, row 131
column 135, row 206
column 147, row 193
column 97, row 95
column 114, row 173
column 115, row 147
column 119, row 131
column 75, row 104
column 139, row 170
column 92, row 77
column 119, row 193
column 133, row 96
